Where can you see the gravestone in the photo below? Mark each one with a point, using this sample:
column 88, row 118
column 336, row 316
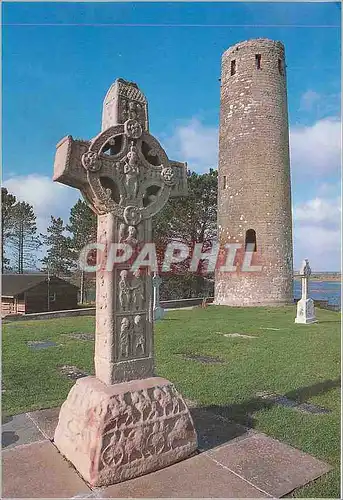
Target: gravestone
column 124, row 422
column 305, row 306
column 158, row 311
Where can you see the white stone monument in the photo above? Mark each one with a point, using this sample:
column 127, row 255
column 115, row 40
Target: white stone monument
column 305, row 306
column 124, row 422
column 158, row 311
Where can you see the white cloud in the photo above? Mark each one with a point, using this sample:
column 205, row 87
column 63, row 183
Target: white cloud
column 195, row 143
column 316, row 149
column 317, row 233
column 322, row 105
column 47, row 197
column 320, row 245
column 309, row 99
column 319, row 212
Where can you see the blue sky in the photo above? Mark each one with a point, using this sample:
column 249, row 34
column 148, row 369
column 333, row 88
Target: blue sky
column 60, row 58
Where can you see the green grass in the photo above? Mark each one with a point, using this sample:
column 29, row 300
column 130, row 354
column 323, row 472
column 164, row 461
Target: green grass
column 301, row 361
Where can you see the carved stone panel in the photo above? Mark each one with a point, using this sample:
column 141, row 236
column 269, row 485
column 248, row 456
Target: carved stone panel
column 122, row 431
column 133, row 339
column 132, row 290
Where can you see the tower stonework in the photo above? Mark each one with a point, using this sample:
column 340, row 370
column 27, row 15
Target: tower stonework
column 254, row 187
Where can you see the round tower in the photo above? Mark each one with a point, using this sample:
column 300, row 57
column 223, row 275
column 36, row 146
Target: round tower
column 254, row 187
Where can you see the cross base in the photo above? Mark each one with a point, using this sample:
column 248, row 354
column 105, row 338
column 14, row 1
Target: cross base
column 158, row 313
column 112, row 433
column 305, row 312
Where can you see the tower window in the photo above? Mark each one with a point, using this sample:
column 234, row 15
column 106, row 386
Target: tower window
column 258, row 61
column 224, row 182
column 280, row 66
column 233, row 67
column 250, row 239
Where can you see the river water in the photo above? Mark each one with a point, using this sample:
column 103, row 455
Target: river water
column 321, row 290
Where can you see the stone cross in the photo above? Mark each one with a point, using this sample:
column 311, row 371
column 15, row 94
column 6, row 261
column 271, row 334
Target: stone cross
column 305, row 306
column 126, row 177
column 158, row 311
column 124, row 422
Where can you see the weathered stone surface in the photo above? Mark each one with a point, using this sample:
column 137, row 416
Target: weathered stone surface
column 198, row 477
column 126, row 178
column 45, row 420
column 44, row 344
column 273, row 467
column 113, row 433
column 19, row 430
column 112, row 429
column 255, row 195
column 37, row 470
column 242, row 335
column 72, row 372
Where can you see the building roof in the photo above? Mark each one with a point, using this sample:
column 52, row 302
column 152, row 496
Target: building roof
column 14, row 284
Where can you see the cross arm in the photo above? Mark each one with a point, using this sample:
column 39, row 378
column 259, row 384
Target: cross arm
column 180, row 172
column 68, row 168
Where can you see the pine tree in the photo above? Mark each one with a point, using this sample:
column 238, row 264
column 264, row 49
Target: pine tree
column 58, row 260
column 23, row 239
column 8, row 201
column 82, row 226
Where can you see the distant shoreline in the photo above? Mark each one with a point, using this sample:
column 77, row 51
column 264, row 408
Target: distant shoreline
column 322, row 277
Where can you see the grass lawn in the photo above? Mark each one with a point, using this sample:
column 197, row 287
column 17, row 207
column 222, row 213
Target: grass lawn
column 301, row 361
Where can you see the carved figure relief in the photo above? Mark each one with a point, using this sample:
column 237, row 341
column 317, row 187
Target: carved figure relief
column 151, row 427
column 139, row 346
column 132, row 291
column 124, row 291
column 167, row 174
column 125, row 337
column 122, row 232
column 133, row 128
column 131, row 172
column 131, row 237
column 305, row 269
column 137, row 288
column 128, row 234
column 132, row 337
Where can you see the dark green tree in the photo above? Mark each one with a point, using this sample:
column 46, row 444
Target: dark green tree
column 82, row 227
column 58, row 260
column 190, row 220
column 8, row 201
column 23, row 240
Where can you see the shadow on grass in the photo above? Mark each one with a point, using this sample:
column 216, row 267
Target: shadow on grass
column 304, row 393
column 329, row 321
column 217, row 425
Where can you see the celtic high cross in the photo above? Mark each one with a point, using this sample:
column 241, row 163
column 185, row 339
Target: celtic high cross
column 126, row 178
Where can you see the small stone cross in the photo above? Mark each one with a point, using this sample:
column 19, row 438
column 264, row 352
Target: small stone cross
column 305, row 306
column 158, row 311
column 305, row 273
column 126, row 178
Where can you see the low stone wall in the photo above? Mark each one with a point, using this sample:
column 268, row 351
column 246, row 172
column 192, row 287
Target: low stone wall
column 166, row 304
column 181, row 303
column 90, row 311
column 84, row 311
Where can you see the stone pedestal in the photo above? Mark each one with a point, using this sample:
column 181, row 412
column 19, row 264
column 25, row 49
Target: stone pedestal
column 305, row 306
column 112, row 433
column 305, row 312
column 158, row 313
